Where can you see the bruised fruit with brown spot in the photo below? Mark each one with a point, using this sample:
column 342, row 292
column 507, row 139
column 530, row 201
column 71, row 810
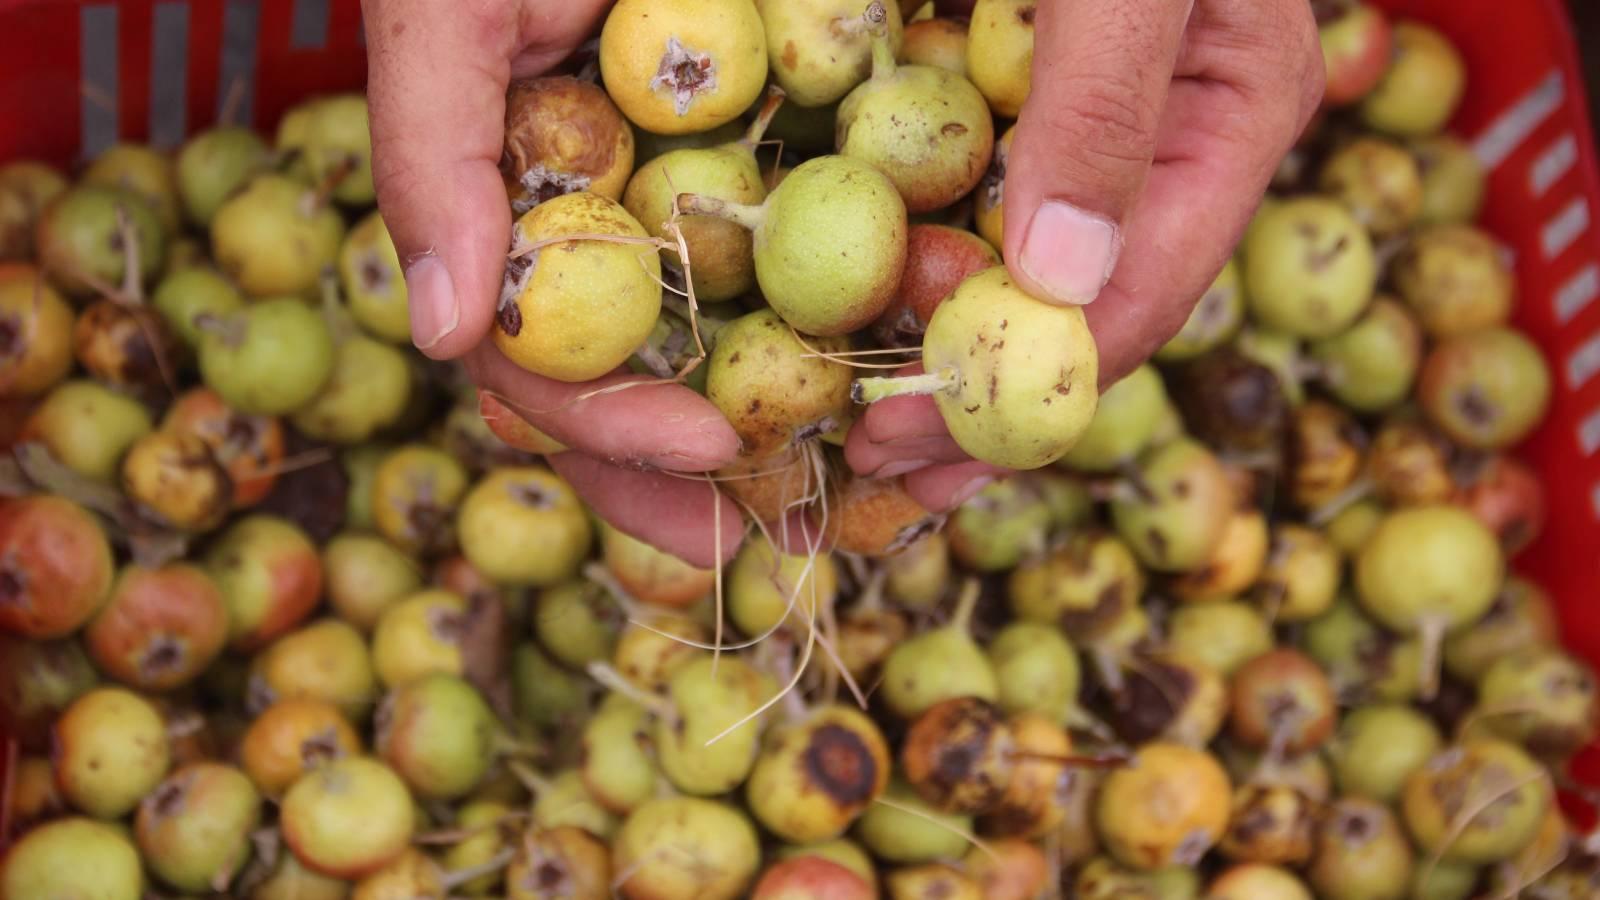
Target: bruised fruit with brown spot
column 270, row 576
column 1301, row 576
column 1507, row 496
column 814, row 777
column 415, row 493
column 1282, row 698
column 160, row 628
column 174, row 477
column 959, row 755
column 926, row 128
column 250, row 448
column 1030, row 804
column 55, row 566
column 326, row 660
column 1231, row 402
column 938, row 259
column 1410, row 464
column 1521, row 615
column 36, row 328
column 683, row 66
column 1325, row 450
column 1084, row 584
column 1487, row 389
column 1477, row 802
column 194, row 829
column 820, row 49
column 575, row 309
column 1379, row 180
column 1234, row 565
column 1456, row 280
column 291, row 737
column 1269, row 824
column 1543, row 699
column 1309, row 267
column 348, row 818
column 563, row 135
column 1167, row 807
column 772, row 388
column 804, row 877
column 125, row 346
column 564, row 861
column 110, row 749
column 867, row 635
column 685, row 848
column 876, row 518
column 1168, row 697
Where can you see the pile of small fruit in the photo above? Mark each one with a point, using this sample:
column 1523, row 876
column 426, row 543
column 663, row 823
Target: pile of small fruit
column 289, row 611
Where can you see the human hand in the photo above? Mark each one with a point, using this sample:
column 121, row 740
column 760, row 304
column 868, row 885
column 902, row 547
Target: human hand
column 438, row 72
column 1151, row 132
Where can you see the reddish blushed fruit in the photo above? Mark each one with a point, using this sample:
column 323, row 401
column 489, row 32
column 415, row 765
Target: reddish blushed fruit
column 1008, row 869
column 959, row 755
column 1506, row 495
column 160, row 628
column 55, row 566
column 270, row 576
column 805, row 877
column 250, row 448
column 1283, row 696
column 938, row 258
column 876, row 517
column 194, row 829
column 511, row 428
column 1356, row 45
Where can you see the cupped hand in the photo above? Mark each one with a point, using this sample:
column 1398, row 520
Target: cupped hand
column 437, row 77
column 1150, row 134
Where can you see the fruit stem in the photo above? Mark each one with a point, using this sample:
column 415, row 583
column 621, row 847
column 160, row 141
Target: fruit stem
column 883, row 64
column 340, row 324
column 1111, row 760
column 965, row 604
column 709, row 325
column 873, row 18
column 748, row 215
column 614, row 680
column 1431, row 632
column 535, row 783
column 758, row 127
column 458, row 877
column 871, row 390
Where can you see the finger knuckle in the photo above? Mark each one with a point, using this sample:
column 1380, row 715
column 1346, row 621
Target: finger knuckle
column 1107, row 124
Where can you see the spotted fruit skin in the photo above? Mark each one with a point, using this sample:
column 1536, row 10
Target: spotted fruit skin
column 1000, row 53
column 812, row 58
column 683, row 66
column 831, row 246
column 577, row 309
column 36, row 324
column 110, row 748
column 1027, row 372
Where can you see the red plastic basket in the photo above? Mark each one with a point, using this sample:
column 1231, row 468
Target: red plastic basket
column 76, row 74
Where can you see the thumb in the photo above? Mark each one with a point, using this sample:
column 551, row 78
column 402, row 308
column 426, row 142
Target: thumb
column 436, row 82
column 1085, row 139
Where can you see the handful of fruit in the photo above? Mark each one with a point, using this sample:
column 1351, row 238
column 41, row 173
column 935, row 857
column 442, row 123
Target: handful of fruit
column 288, row 611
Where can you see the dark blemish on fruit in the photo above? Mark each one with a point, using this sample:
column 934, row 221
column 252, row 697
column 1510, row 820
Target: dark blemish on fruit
column 953, row 129
column 164, row 655
column 791, row 56
column 994, row 388
column 1158, row 542
column 374, row 274
column 11, row 586
column 755, row 406
column 323, row 746
column 971, row 409
column 531, row 495
column 1475, row 407
column 1025, row 16
column 1152, row 697
column 841, row 765
column 1180, row 489
column 167, row 799
column 11, row 345
column 549, row 877
column 1004, row 323
column 447, row 625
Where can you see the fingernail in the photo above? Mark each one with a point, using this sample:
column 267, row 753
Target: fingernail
column 432, row 298
column 1070, row 253
column 901, row 467
column 970, row 490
